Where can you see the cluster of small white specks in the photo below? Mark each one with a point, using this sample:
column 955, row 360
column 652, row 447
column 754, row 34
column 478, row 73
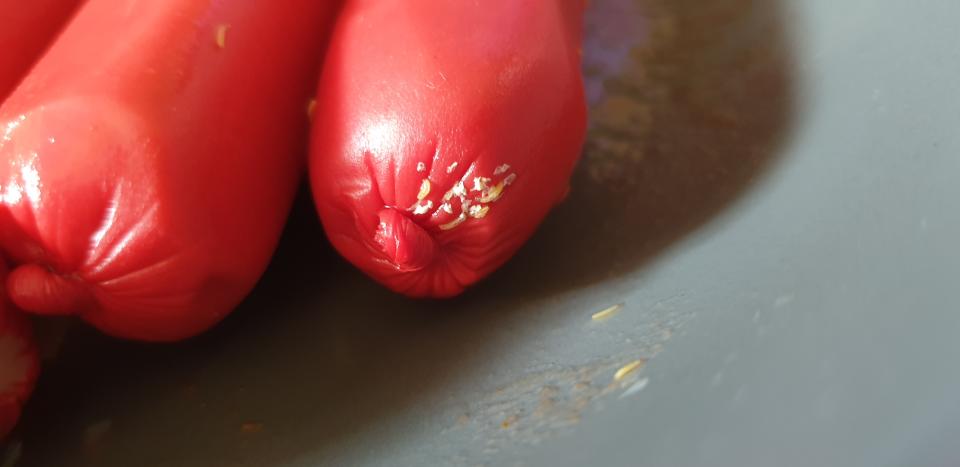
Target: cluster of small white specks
column 471, row 206
column 478, row 211
column 480, row 183
column 422, row 208
column 478, row 206
column 458, row 190
column 12, row 125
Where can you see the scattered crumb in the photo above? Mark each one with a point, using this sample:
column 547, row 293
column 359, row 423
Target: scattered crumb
column 420, row 209
column 493, row 193
column 478, row 211
column 627, row 369
column 607, row 312
column 424, row 189
column 251, row 428
column 221, row 36
column 481, row 184
column 447, row 208
column 421, row 167
column 451, row 168
column 454, row 223
column 508, row 422
column 501, row 169
column 458, row 190
column 510, row 179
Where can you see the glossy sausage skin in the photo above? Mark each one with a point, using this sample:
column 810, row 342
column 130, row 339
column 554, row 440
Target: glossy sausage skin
column 149, row 160
column 445, row 132
column 27, row 27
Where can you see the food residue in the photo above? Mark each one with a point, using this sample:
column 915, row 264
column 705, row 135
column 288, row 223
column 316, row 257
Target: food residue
column 424, row 189
column 420, row 209
column 481, row 183
column 493, row 193
column 607, row 312
column 452, row 224
column 627, row 369
column 478, row 211
column 221, row 37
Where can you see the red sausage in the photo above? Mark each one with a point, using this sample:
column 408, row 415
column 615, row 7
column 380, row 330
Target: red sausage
column 19, row 363
column 26, row 28
column 445, row 132
column 148, row 161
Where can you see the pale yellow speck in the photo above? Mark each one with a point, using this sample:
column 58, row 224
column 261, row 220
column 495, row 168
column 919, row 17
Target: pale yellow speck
column 424, row 190
column 447, row 208
column 501, row 169
column 457, row 190
column 627, row 369
column 451, row 168
column 510, row 179
column 221, row 36
column 478, row 211
column 421, row 167
column 607, row 312
column 493, row 194
column 452, row 224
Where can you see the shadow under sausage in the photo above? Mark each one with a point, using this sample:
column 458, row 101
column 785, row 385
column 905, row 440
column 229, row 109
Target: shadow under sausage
column 685, row 128
column 690, row 103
